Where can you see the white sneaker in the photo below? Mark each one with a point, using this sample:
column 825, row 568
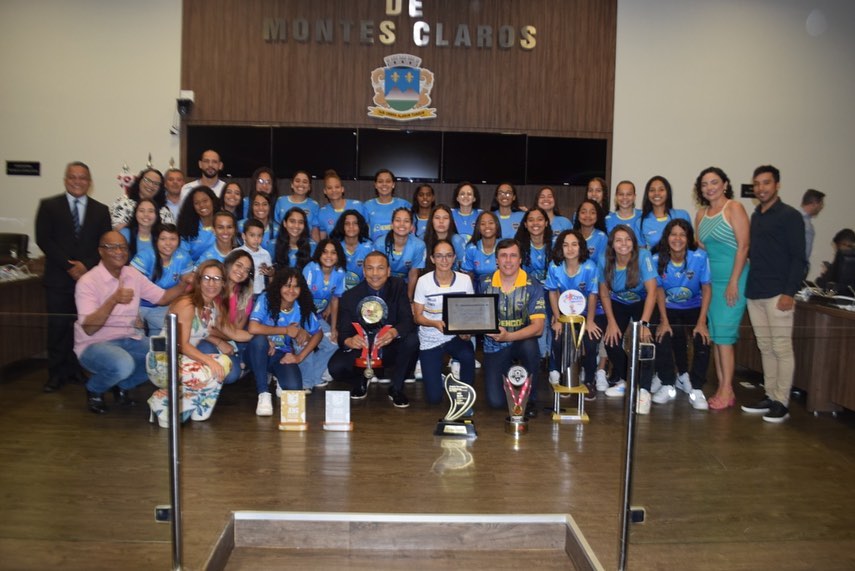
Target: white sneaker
column 417, row 373
column 684, row 383
column 278, row 390
column 382, row 381
column 618, row 390
column 554, row 377
column 326, row 377
column 698, row 400
column 643, row 406
column 455, row 369
column 265, row 405
column 477, row 364
column 666, row 393
column 602, row 381
column 655, row 383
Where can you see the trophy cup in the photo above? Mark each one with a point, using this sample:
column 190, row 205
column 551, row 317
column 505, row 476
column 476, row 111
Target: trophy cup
column 572, row 304
column 372, row 312
column 517, row 389
column 462, row 399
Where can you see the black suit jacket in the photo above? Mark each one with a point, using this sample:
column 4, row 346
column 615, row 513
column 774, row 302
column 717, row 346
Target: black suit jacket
column 394, row 293
column 55, row 237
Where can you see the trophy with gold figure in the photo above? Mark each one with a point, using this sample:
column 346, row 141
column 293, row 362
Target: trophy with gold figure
column 572, row 304
column 372, row 312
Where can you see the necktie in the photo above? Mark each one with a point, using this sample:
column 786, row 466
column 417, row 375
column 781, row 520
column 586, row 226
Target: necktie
column 75, row 217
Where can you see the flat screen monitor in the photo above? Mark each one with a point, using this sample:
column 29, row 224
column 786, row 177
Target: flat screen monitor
column 315, row 150
column 412, row 155
column 488, row 158
column 560, row 160
column 242, row 149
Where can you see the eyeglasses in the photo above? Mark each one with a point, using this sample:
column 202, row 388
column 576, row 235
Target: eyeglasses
column 505, row 193
column 151, row 182
column 115, row 247
column 215, row 279
column 264, row 181
column 443, row 256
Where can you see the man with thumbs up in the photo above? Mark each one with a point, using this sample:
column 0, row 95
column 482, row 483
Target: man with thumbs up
column 106, row 340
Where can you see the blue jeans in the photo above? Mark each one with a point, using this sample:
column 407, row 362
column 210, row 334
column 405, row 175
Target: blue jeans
column 154, row 318
column 312, row 368
column 496, row 366
column 288, row 376
column 431, row 360
column 118, row 362
column 236, row 358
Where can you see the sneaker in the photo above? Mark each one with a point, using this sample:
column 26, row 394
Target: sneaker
column 554, row 377
column 322, row 384
column 359, row 393
column 684, row 383
column 381, row 381
column 643, row 406
column 417, row 373
column 265, row 405
column 307, row 391
column 602, row 381
column 408, row 381
column 326, row 378
column 618, row 390
column 477, row 364
column 777, row 414
column 655, row 384
column 455, row 369
column 698, row 400
column 666, row 393
column 761, row 407
column 399, row 399
column 592, row 392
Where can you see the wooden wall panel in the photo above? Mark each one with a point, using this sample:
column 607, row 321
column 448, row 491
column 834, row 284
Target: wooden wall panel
column 563, row 87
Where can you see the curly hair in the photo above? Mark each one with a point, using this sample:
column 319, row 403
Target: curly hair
column 159, row 197
column 558, row 248
column 475, row 205
column 600, row 224
column 664, row 250
column 283, row 243
column 699, row 195
column 188, row 219
column 274, row 295
column 341, row 261
column 337, row 233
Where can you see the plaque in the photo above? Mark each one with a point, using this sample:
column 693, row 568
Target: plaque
column 338, row 411
column 517, row 390
column 462, row 399
column 372, row 312
column 292, row 411
column 470, row 314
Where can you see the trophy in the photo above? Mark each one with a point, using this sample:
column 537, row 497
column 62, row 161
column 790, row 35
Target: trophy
column 571, row 303
column 462, row 399
column 372, row 312
column 517, row 390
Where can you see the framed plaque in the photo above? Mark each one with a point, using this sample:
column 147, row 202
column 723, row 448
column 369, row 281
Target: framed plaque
column 465, row 314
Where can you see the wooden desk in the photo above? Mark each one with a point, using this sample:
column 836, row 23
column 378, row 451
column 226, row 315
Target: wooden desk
column 23, row 323
column 824, row 346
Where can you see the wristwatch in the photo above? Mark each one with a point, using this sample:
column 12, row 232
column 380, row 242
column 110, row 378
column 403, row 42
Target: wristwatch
column 645, row 324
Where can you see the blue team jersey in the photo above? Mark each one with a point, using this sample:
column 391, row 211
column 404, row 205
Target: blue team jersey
column 612, row 220
column 292, row 253
column 354, row 260
column 586, row 280
column 649, row 229
column 171, row 273
column 682, row 283
column 478, row 263
column 309, row 206
column 379, row 216
column 420, row 227
column 212, row 253
column 597, row 244
column 622, row 294
column 203, row 240
column 560, row 224
column 459, row 245
column 143, row 244
column 282, row 342
column 539, row 260
column 322, row 289
column 400, row 263
column 510, row 223
column 268, row 239
column 328, row 216
column 465, row 222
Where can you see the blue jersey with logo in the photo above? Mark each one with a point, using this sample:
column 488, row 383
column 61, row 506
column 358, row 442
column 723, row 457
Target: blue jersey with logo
column 142, row 243
column 622, row 294
column 354, row 261
column 612, row 220
column 322, row 289
column 682, row 283
column 649, row 229
column 268, row 239
column 516, row 307
column 560, row 224
column 285, row 318
column 420, row 226
column 597, row 244
column 203, row 240
column 400, row 263
column 586, row 280
column 328, row 216
column 379, row 216
column 538, row 262
column 465, row 222
column 212, row 253
column 510, row 223
column 171, row 273
column 478, row 263
column 309, row 206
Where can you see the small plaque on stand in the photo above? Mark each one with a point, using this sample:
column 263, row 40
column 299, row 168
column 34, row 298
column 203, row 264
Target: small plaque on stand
column 338, row 411
column 292, row 411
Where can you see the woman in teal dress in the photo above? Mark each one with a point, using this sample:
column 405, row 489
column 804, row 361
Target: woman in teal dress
column 723, row 231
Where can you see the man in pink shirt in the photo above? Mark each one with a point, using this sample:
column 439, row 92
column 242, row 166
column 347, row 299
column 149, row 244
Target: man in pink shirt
column 106, row 340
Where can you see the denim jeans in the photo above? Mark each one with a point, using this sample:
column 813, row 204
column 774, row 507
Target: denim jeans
column 496, row 366
column 119, row 362
column 154, row 318
column 236, row 358
column 312, row 368
column 431, row 360
column 288, row 376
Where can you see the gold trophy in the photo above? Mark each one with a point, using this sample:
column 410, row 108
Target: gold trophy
column 462, row 399
column 517, row 390
column 372, row 312
column 571, row 303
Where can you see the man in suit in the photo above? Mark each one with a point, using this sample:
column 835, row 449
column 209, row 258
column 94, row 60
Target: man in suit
column 68, row 228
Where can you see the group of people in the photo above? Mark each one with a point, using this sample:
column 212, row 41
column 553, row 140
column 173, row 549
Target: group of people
column 272, row 285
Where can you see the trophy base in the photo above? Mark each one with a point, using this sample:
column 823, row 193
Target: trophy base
column 294, row 426
column 457, row 429
column 516, row 426
column 338, row 426
column 577, row 414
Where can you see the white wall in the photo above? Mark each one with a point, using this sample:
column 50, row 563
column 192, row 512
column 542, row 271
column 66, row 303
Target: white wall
column 87, row 80
column 736, row 84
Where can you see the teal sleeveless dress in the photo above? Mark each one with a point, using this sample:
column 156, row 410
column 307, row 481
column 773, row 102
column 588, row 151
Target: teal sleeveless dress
column 719, row 240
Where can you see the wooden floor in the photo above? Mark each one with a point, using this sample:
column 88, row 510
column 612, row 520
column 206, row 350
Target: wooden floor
column 722, row 490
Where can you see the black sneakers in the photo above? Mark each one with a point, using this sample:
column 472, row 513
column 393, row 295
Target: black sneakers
column 359, row 393
column 777, row 414
column 761, row 407
column 399, row 399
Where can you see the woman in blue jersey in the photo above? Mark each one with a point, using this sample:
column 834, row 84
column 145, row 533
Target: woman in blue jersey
column 232, row 199
column 262, row 210
column 225, row 233
column 138, row 232
column 294, row 247
column 434, row 344
column 301, row 188
column 325, row 276
column 196, row 221
column 351, row 231
column 424, row 200
column 329, row 214
column 625, row 211
column 468, row 206
column 590, row 221
column 480, row 262
column 378, row 211
column 545, row 199
column 286, row 332
column 535, row 238
column 684, row 283
column 657, row 209
column 165, row 265
column 405, row 252
column 627, row 293
column 572, row 269
column 442, row 227
column 263, row 182
column 506, row 206
column 598, row 191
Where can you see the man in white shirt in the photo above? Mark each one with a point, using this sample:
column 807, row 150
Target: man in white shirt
column 210, row 165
